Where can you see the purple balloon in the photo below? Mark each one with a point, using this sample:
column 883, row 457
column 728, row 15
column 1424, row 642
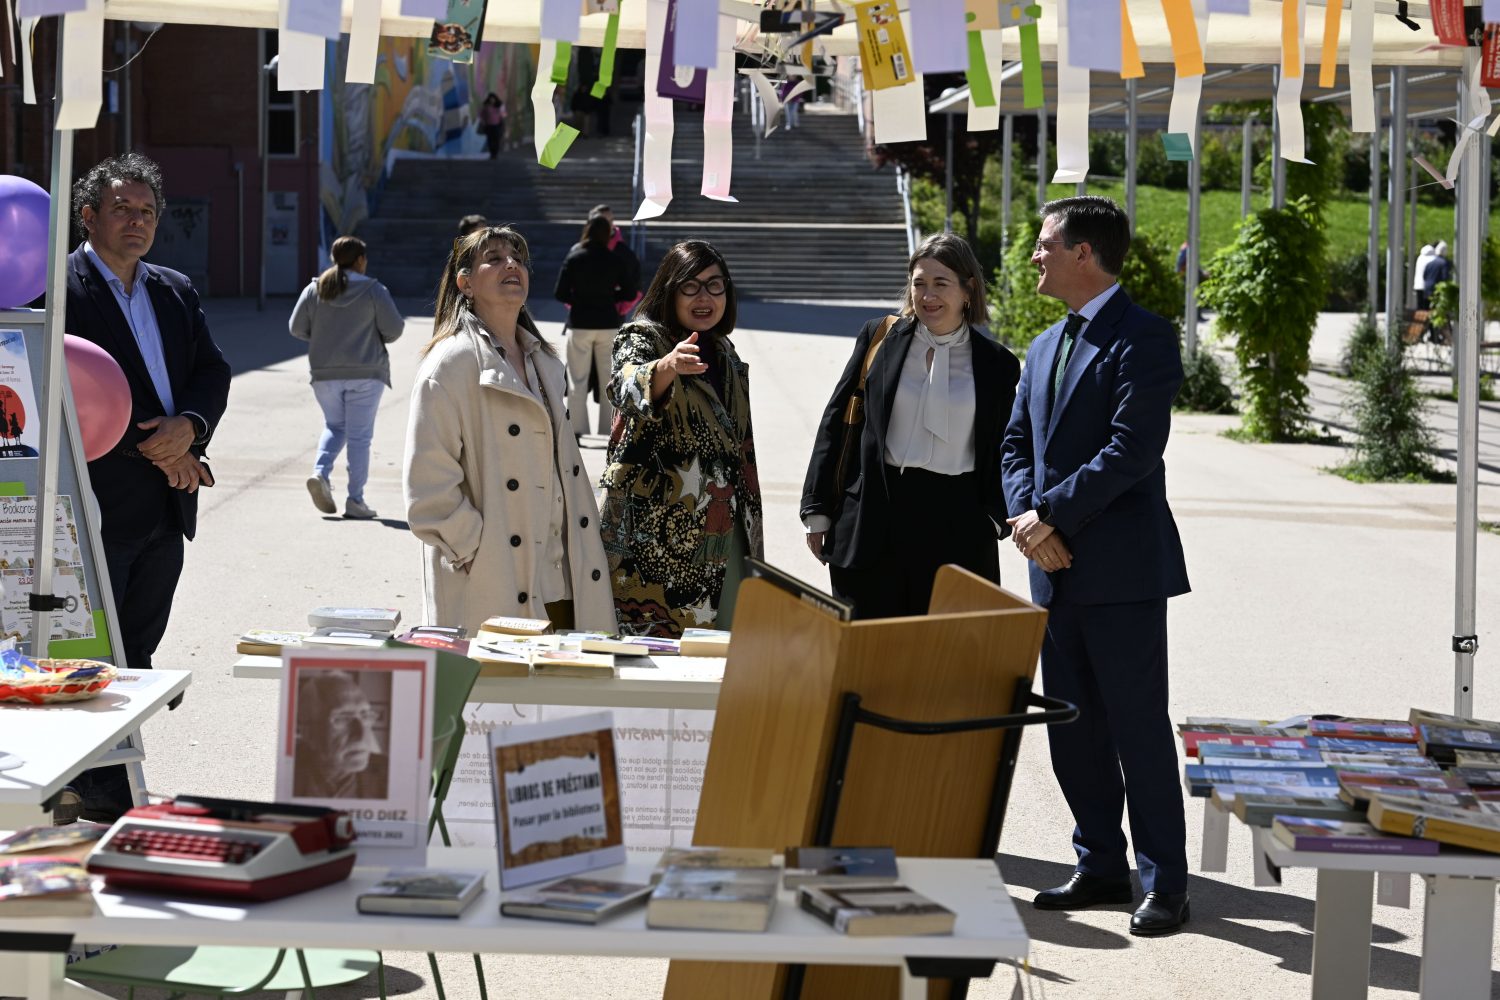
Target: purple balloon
column 25, row 218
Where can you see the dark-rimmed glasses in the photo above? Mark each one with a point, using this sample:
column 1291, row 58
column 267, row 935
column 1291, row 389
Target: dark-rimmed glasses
column 714, row 286
column 1044, row 244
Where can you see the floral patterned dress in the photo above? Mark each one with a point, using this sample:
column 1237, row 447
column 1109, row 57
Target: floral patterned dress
column 681, row 480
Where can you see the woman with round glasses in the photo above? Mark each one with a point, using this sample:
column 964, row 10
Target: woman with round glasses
column 494, row 481
column 920, row 486
column 682, row 498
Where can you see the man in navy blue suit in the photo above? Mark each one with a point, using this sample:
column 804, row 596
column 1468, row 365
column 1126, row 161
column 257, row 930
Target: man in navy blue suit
column 147, row 318
column 1086, row 490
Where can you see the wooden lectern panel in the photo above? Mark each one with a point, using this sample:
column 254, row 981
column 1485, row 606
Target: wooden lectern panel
column 928, row 796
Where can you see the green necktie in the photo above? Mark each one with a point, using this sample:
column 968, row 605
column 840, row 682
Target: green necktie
column 1070, row 337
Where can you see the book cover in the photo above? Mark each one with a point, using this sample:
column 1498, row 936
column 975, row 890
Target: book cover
column 713, row 858
column 346, row 636
column 1442, row 742
column 1476, row 829
column 654, row 646
column 449, row 640
column 1255, row 751
column 267, row 642
column 1260, row 810
column 1373, row 760
column 1356, row 789
column 870, row 910
column 1225, row 796
column 1192, row 738
column 376, row 619
column 816, row 865
column 1477, row 758
column 1421, row 717
column 704, row 642
column 506, row 625
column 498, row 656
column 570, row 663
column 576, row 900
column 1200, row 778
column 429, row 892
column 1338, row 744
column 44, row 886
column 1211, row 759
column 1340, row 837
column 714, row 899
column 54, row 838
column 1477, row 777
column 1380, row 730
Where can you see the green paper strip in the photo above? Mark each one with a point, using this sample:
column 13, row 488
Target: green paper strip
column 557, row 146
column 979, row 74
column 83, row 649
column 1178, row 145
column 1031, row 61
column 12, row 489
column 560, row 64
column 607, row 57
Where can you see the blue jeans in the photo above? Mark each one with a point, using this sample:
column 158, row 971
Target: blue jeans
column 349, row 406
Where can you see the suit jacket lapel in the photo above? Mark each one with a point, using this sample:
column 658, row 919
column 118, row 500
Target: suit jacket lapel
column 1045, row 352
column 986, row 374
column 1099, row 332
column 125, row 349
column 885, row 376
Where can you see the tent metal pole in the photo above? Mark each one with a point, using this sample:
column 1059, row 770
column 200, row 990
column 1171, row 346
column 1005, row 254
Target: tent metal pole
column 1395, row 256
column 1471, row 197
column 1007, row 147
column 1372, row 251
column 1041, row 158
column 1413, row 246
column 1190, row 271
column 1132, row 146
column 948, row 177
column 54, row 370
column 1247, row 166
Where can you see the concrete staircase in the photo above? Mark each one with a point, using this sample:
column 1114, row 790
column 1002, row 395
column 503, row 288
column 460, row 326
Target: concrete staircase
column 814, row 220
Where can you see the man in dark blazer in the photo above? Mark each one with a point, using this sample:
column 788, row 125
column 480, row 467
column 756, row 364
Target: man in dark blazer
column 148, row 319
column 1085, row 486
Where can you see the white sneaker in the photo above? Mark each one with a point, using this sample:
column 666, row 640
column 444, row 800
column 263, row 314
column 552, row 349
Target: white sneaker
column 322, row 495
column 357, row 511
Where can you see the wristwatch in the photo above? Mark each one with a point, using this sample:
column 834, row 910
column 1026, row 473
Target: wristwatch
column 1044, row 513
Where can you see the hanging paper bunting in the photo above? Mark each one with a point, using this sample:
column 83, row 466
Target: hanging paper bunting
column 937, row 37
column 364, row 41
column 1489, row 57
column 47, row 8
column 900, row 112
column 656, row 158
column 1178, row 146
column 823, row 23
column 980, row 92
column 1187, row 89
column 313, row 17
column 1289, row 88
column 458, row 33
column 1072, row 95
column 1490, row 11
column 1448, row 21
column 560, row 64
column 28, row 78
column 1361, row 53
column 981, row 15
column 718, row 119
column 1099, row 47
column 1025, row 18
column 694, row 26
column 987, row 118
column 83, row 67
column 1131, row 67
column 679, row 81
column 1329, row 68
column 607, row 57
column 883, row 57
column 551, row 138
column 299, row 63
column 429, row 10
column 1239, row 7
column 560, row 20
column 1478, row 99
column 1187, row 47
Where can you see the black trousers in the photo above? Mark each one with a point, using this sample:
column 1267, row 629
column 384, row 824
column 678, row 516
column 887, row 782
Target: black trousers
column 935, row 520
column 143, row 575
column 1121, row 754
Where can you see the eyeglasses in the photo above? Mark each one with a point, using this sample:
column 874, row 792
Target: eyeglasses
column 1044, row 244
column 714, row 287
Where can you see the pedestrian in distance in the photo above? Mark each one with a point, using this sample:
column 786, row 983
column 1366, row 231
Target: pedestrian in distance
column 347, row 318
column 592, row 282
column 1437, row 270
column 682, row 502
column 492, row 123
column 469, row 223
column 935, row 392
column 1418, row 276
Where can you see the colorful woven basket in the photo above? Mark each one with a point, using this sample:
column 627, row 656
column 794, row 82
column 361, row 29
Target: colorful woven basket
column 56, row 680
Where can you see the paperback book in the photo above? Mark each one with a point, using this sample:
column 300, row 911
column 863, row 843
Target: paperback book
column 704, row 642
column 714, row 899
column 1442, row 743
column 820, row 865
column 1357, row 788
column 373, row 619
column 1477, row 758
column 57, row 839
column 1341, row 745
column 1341, row 837
column 569, row 663
column 1477, row 777
column 1200, row 778
column 1422, row 717
column 442, row 637
column 506, row 625
column 1254, row 751
column 1260, row 810
column 1379, row 730
column 1192, row 738
column 714, row 859
column 44, row 886
column 267, row 642
column 1476, row 829
column 870, row 910
column 346, row 637
column 426, row 892
column 577, row 900
column 1225, row 796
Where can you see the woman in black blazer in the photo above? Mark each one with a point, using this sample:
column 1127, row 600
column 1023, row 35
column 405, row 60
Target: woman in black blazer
column 921, row 488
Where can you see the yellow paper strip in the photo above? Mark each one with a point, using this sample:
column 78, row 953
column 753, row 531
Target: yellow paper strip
column 1187, row 53
column 1331, row 16
column 1131, row 67
column 1291, row 38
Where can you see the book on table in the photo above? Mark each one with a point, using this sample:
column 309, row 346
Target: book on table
column 1343, row 837
column 577, row 900
column 704, row 642
column 714, row 858
column 442, row 637
column 714, row 899
column 1422, row 717
column 572, row 663
column 346, row 637
column 1226, row 795
column 509, row 625
column 423, row 892
column 373, row 619
column 498, row 656
column 1255, row 751
column 1265, row 737
column 1477, row 829
column 1337, row 744
column 1339, row 758
column 73, row 840
column 1260, row 810
column 267, row 641
column 1356, row 788
column 1442, row 743
column 876, row 909
column 1391, row 730
column 1477, row 777
column 44, row 886
column 1201, row 778
column 1476, row 758
column 820, row 865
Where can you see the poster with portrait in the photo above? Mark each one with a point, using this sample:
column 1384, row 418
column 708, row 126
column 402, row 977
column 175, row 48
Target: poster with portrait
column 356, row 734
column 20, row 426
column 557, row 799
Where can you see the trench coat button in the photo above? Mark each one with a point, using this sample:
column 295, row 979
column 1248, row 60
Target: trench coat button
column 521, row 597
column 512, row 485
column 594, row 575
column 515, row 429
column 515, row 540
column 575, row 470
column 583, row 522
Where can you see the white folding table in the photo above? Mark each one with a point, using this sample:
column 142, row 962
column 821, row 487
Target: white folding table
column 642, row 682
column 59, row 741
column 988, row 930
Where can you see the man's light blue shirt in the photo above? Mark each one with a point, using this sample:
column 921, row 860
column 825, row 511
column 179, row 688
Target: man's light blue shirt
column 141, row 317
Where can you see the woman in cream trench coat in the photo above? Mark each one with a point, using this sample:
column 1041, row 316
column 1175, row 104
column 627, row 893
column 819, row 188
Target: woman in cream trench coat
column 492, row 469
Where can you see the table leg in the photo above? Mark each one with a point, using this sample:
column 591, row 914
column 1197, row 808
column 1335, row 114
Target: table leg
column 1265, row 875
column 43, row 975
column 1341, row 935
column 912, row 987
column 1215, row 856
column 1457, row 930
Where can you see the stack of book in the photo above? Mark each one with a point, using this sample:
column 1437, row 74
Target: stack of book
column 357, row 628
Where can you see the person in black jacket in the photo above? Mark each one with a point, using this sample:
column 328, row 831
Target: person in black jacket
column 592, row 281
column 921, row 488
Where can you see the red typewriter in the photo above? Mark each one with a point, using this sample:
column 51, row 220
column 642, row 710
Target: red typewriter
column 226, row 848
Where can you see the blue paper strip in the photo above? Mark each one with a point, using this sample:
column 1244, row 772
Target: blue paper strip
column 1094, row 35
column 939, row 37
column 696, row 38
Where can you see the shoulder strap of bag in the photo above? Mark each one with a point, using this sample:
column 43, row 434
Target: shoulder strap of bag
column 875, row 342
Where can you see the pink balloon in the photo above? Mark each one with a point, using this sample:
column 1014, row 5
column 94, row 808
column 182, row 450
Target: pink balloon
column 100, row 393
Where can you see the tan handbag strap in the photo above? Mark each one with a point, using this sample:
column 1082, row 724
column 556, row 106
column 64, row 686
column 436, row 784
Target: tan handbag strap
column 875, row 342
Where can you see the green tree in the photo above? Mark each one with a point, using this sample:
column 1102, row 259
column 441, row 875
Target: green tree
column 1268, row 287
column 1150, row 276
column 1017, row 312
column 1387, row 409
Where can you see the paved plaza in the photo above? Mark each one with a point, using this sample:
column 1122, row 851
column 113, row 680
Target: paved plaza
column 1310, row 594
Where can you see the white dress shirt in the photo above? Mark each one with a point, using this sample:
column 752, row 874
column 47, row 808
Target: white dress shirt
column 1092, row 306
column 932, row 416
column 141, row 318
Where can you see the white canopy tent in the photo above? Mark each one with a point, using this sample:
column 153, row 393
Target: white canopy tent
column 1232, row 39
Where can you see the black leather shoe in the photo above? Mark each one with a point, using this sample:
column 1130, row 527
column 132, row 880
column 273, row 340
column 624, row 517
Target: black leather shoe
column 1083, row 890
column 1161, row 913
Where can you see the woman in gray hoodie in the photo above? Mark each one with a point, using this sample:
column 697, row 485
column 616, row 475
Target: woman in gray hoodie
column 347, row 318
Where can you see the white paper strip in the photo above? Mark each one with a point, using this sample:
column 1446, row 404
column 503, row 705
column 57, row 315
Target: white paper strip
column 83, row 68
column 1072, row 108
column 543, row 111
column 900, row 112
column 364, row 41
column 28, row 77
column 988, row 119
column 656, row 160
column 1187, row 92
column 718, row 119
column 1289, row 98
column 313, row 17
column 1361, row 49
column 299, row 57
column 1478, row 98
